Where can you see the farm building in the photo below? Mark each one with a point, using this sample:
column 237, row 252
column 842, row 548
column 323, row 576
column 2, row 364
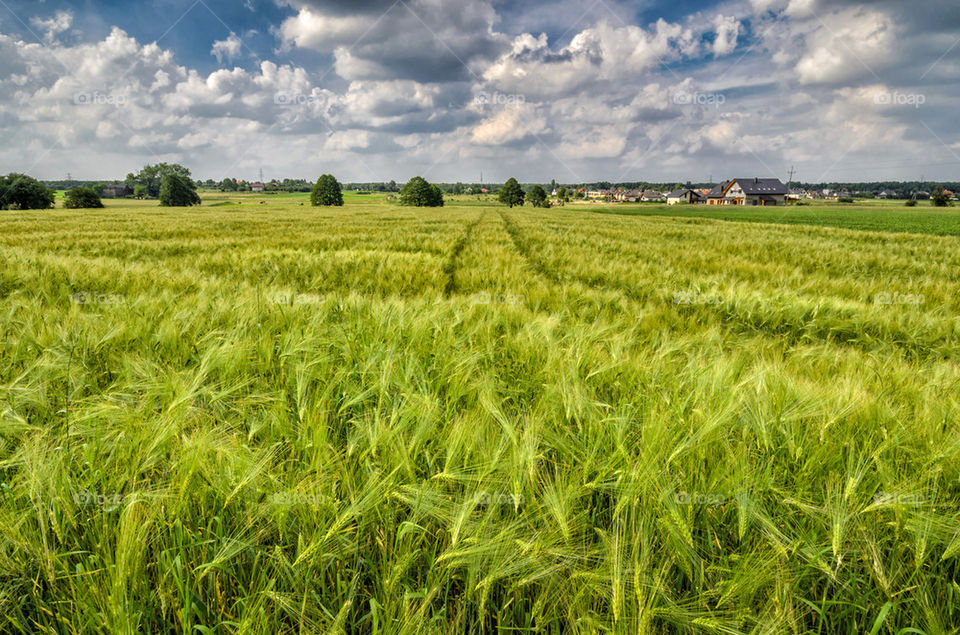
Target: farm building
column 755, row 191
column 257, row 187
column 115, row 190
column 684, row 196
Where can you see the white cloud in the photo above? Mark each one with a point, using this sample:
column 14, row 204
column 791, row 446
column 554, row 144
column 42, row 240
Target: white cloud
column 728, row 30
column 52, row 27
column 227, row 49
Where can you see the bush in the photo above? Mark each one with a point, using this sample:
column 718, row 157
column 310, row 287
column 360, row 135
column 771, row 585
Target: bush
column 845, row 199
column 511, row 193
column 82, row 198
column 177, row 191
column 419, row 193
column 538, row 197
column 911, row 203
column 19, row 191
column 327, row 192
column 940, row 197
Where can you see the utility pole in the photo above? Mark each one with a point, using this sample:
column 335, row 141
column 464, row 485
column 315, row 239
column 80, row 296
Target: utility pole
column 790, row 179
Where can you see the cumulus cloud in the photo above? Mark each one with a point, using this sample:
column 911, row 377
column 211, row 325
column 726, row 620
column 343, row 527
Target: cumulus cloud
column 442, row 79
column 52, row 27
column 727, row 32
column 422, row 40
column 227, row 49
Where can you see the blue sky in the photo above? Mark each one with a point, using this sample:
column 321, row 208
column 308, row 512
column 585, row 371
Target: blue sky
column 576, row 90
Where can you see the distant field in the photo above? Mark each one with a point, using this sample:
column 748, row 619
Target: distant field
column 280, row 419
column 881, row 216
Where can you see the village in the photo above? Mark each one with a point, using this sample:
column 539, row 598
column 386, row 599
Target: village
column 751, row 191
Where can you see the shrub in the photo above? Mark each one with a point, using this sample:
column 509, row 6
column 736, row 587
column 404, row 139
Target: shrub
column 538, row 197
column 419, row 193
column 940, row 197
column 327, row 192
column 19, row 191
column 911, row 203
column 845, row 199
column 511, row 193
column 82, row 198
column 177, row 191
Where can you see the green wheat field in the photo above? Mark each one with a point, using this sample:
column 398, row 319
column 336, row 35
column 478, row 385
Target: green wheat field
column 283, row 419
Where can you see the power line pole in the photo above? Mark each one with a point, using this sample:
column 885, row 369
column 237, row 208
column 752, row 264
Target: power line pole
column 790, row 178
column 261, row 175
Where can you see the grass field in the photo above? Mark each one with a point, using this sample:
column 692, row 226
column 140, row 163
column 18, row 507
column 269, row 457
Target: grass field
column 881, row 216
column 278, row 419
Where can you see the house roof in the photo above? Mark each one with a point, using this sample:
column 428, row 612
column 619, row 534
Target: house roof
column 682, row 193
column 766, row 187
column 718, row 190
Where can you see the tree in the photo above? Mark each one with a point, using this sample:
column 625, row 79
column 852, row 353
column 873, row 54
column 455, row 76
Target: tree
column 563, row 195
column 152, row 176
column 327, row 192
column 140, row 191
column 419, row 193
column 940, row 197
column 177, row 191
column 19, row 191
column 511, row 193
column 538, row 197
column 82, row 198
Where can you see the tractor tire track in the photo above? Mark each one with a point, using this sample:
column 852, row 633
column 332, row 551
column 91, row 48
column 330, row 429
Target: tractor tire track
column 453, row 260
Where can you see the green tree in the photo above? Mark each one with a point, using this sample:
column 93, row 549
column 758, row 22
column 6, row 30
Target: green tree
column 940, row 197
column 511, row 193
column 327, row 192
column 152, row 176
column 140, row 191
column 563, row 195
column 419, row 193
column 538, row 197
column 177, row 191
column 19, row 191
column 82, row 198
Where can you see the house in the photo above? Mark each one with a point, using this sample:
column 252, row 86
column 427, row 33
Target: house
column 755, row 191
column 256, row 187
column 629, row 196
column 116, row 190
column 887, row 194
column 650, row 196
column 950, row 195
column 684, row 196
